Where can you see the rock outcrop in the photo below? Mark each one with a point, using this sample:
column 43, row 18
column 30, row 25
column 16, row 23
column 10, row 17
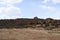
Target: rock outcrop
column 29, row 22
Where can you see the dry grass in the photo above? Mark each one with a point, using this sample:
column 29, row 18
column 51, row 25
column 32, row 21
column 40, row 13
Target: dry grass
column 27, row 34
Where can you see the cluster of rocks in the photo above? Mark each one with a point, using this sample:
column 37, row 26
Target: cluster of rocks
column 29, row 22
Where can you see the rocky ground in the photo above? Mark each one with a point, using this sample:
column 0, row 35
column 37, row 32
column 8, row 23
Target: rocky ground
column 28, row 34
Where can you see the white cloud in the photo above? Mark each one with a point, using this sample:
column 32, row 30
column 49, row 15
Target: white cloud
column 55, row 1
column 9, row 12
column 1, row 9
column 52, row 11
column 47, row 7
column 10, row 1
column 45, row 1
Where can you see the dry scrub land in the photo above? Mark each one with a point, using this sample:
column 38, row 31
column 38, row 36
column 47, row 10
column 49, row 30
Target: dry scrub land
column 29, row 34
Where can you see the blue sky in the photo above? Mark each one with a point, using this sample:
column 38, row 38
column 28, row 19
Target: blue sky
column 11, row 9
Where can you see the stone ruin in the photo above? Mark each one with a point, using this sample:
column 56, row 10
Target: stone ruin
column 29, row 22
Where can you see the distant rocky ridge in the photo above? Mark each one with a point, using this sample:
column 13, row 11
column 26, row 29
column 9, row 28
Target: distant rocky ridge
column 48, row 23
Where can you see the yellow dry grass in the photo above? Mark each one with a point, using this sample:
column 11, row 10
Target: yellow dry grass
column 27, row 34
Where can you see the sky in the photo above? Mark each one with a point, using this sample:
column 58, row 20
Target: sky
column 12, row 9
